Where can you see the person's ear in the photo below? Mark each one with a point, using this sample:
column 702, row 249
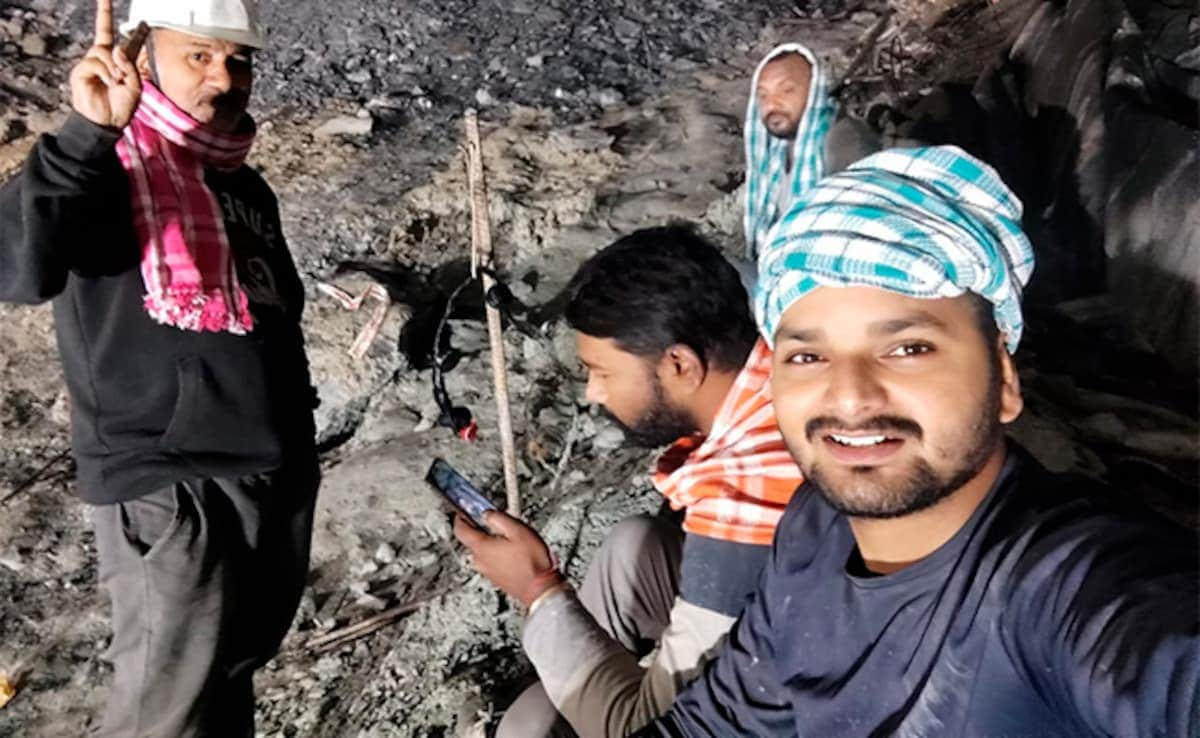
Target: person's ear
column 1011, row 401
column 681, row 370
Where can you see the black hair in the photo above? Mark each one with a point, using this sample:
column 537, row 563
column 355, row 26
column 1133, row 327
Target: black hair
column 985, row 320
column 662, row 286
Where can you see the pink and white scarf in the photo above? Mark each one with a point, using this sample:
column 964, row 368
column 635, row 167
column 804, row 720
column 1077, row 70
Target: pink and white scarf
column 187, row 263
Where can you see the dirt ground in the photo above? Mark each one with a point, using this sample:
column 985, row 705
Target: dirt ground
column 598, row 118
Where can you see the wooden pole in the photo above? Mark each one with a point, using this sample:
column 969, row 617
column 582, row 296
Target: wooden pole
column 483, row 256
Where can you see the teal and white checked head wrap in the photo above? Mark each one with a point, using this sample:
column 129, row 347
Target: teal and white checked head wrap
column 929, row 222
column 766, row 155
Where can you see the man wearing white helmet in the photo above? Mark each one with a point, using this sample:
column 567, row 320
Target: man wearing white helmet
column 177, row 309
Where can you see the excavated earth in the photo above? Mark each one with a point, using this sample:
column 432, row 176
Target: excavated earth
column 598, row 118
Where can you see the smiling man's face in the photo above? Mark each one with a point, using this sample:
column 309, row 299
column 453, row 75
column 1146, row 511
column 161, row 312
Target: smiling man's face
column 890, row 403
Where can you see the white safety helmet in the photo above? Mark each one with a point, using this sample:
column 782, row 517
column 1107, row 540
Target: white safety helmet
column 228, row 20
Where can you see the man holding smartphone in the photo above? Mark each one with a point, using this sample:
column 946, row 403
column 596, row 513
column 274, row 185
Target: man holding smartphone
column 663, row 326
column 177, row 309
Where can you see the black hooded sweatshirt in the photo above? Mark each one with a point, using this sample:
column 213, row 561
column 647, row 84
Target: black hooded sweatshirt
column 153, row 404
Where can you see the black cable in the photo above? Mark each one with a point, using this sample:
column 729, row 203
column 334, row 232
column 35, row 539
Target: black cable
column 499, row 297
column 455, row 417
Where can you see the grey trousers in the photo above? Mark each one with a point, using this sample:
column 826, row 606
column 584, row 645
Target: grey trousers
column 629, row 588
column 205, row 577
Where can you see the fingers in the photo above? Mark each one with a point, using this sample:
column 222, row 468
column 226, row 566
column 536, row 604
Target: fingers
column 125, row 66
column 102, row 55
column 93, row 68
column 503, row 524
column 104, row 28
column 467, row 534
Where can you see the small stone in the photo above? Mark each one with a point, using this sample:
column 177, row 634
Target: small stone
column 33, row 45
column 60, row 411
column 327, row 667
column 12, row 563
column 585, row 427
column 344, row 125
column 385, row 554
column 608, row 97
column 535, row 61
column 436, row 525
column 536, row 356
column 609, row 439
column 371, row 602
column 484, row 98
column 307, row 610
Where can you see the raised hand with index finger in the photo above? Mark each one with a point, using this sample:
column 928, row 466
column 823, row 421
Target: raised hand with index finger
column 105, row 86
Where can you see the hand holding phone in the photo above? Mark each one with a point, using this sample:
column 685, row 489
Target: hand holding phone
column 511, row 556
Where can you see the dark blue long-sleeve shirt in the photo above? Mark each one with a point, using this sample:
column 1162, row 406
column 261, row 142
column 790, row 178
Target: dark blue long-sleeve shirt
column 1053, row 612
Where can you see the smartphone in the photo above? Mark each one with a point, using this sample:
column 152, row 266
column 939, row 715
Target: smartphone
column 461, row 493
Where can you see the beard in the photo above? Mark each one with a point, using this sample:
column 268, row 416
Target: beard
column 865, row 492
column 659, row 424
column 780, row 126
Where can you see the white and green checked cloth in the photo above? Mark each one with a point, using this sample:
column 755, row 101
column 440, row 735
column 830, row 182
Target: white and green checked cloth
column 766, row 155
column 927, row 222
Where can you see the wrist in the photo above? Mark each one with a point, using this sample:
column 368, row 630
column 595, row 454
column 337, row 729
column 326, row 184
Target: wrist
column 541, row 599
column 540, row 585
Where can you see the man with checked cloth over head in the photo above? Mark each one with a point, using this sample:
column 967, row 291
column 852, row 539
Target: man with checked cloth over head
column 792, row 137
column 663, row 326
column 177, row 308
column 931, row 578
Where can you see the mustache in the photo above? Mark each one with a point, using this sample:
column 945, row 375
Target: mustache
column 233, row 99
column 888, row 425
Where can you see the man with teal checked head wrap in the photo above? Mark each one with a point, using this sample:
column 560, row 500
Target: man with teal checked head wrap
column 925, row 222
column 935, row 580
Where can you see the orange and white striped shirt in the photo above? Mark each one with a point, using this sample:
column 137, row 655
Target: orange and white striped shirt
column 736, row 482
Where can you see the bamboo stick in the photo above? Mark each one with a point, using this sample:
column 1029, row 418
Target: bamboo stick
column 483, row 256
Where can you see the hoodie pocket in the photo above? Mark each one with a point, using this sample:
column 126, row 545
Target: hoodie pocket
column 187, row 372
column 224, row 406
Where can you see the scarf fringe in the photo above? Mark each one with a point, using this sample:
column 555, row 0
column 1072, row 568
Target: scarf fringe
column 194, row 310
